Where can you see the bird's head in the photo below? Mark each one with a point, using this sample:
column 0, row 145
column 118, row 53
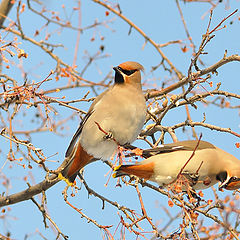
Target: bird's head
column 128, row 72
column 229, row 180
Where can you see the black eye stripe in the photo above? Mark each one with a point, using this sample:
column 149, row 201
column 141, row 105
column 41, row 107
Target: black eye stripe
column 127, row 72
column 234, row 179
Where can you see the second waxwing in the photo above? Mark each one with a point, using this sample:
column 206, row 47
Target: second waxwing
column 207, row 165
column 116, row 117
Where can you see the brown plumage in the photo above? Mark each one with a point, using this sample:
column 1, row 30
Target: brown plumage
column 142, row 170
column 131, row 66
column 80, row 159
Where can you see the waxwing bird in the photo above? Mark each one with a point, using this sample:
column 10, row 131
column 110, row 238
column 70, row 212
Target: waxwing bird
column 207, row 166
column 116, row 117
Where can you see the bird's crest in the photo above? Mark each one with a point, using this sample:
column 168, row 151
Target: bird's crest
column 131, row 66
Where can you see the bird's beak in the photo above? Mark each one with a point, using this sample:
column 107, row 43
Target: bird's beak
column 116, row 69
column 222, row 185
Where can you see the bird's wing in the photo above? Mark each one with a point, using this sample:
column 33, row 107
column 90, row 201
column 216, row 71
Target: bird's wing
column 172, row 147
column 162, row 149
column 146, row 153
column 86, row 117
column 77, row 134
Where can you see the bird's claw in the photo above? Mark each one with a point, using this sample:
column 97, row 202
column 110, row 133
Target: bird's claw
column 108, row 136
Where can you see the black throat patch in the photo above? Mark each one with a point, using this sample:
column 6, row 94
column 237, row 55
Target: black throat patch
column 118, row 78
column 222, row 176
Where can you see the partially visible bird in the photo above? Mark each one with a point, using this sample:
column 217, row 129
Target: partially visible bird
column 116, row 117
column 208, row 165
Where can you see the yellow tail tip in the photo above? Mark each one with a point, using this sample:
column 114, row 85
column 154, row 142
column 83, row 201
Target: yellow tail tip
column 116, row 168
column 61, row 177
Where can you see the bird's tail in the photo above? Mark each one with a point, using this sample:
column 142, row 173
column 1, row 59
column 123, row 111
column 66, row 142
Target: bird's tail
column 119, row 171
column 140, row 170
column 72, row 164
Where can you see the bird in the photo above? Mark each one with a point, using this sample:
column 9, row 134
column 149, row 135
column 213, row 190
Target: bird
column 115, row 118
column 202, row 163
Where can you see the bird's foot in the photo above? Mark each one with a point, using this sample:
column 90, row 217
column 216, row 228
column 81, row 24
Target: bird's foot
column 192, row 178
column 61, row 177
column 108, row 136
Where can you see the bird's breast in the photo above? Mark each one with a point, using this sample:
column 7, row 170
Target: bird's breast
column 119, row 114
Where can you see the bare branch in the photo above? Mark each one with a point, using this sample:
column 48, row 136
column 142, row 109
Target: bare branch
column 29, row 192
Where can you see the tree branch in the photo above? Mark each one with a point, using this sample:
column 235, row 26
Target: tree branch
column 29, row 192
column 195, row 75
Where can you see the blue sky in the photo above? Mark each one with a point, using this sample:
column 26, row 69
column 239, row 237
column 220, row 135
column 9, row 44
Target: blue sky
column 160, row 20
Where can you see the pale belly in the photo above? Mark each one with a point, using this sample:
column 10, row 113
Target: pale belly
column 123, row 125
column 169, row 181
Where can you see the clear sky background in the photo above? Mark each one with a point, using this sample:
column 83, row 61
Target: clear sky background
column 160, row 20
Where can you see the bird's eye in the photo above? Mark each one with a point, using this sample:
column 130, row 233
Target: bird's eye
column 127, row 72
column 233, row 179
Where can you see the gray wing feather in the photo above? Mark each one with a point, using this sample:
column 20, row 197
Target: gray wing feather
column 79, row 130
column 167, row 148
column 77, row 134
